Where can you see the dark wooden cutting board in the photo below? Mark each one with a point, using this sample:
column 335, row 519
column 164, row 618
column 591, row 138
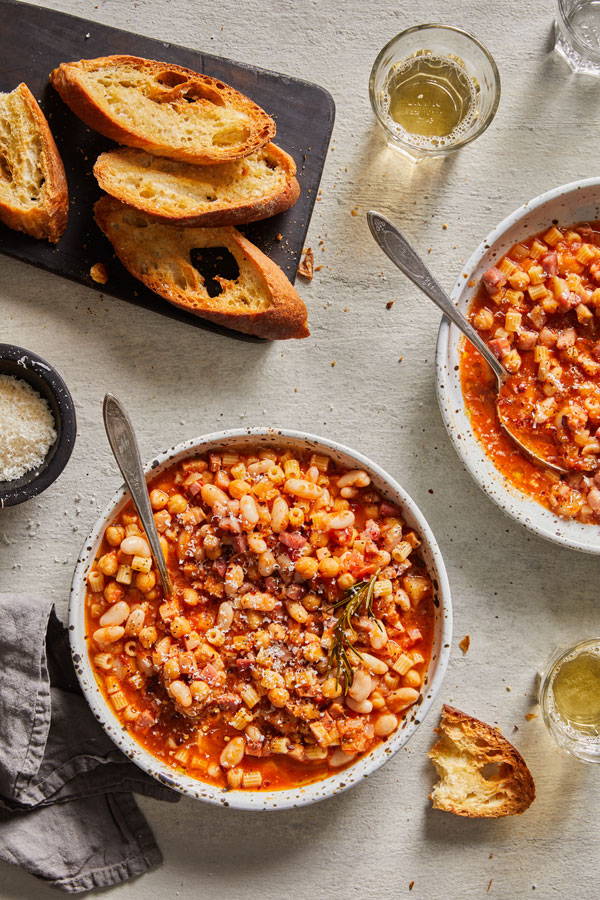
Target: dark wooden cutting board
column 34, row 40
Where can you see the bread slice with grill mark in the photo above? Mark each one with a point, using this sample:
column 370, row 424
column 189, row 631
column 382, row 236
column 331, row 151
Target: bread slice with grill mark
column 481, row 773
column 165, row 109
column 259, row 301
column 33, row 188
column 245, row 190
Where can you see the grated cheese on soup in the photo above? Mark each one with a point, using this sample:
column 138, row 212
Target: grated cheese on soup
column 27, row 428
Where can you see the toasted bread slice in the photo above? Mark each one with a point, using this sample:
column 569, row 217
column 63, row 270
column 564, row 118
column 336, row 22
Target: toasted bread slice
column 482, row 774
column 33, row 189
column 258, row 300
column 163, row 109
column 245, row 190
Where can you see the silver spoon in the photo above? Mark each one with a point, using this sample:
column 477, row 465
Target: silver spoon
column 124, row 446
column 395, row 245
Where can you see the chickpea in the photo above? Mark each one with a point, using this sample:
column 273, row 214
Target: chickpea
column 329, row 567
column 108, row 564
column 145, row 581
column 412, row 679
column 114, row 535
column 113, row 592
column 148, row 636
column 177, row 504
column 190, row 596
column 345, row 581
column 278, row 696
column 158, row 499
column 306, row 567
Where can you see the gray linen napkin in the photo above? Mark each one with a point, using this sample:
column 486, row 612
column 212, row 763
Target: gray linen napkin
column 67, row 814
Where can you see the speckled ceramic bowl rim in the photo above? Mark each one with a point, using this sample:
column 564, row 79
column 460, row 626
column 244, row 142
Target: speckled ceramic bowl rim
column 284, row 799
column 526, row 511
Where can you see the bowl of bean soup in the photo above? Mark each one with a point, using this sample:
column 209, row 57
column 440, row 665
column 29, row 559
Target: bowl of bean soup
column 532, row 290
column 307, row 633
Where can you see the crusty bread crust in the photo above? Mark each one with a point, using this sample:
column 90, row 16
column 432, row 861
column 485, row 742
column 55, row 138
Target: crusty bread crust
column 468, row 745
column 66, row 79
column 220, row 212
column 48, row 219
column 282, row 314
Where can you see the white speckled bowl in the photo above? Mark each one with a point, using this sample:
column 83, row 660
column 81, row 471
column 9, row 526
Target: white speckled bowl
column 264, row 800
column 568, row 204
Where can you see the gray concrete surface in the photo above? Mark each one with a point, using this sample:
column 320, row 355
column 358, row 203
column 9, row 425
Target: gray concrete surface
column 514, row 594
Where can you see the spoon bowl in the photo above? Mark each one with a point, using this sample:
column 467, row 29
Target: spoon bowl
column 396, row 247
column 126, row 451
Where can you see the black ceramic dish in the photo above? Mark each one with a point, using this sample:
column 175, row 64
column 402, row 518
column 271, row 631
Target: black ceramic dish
column 20, row 363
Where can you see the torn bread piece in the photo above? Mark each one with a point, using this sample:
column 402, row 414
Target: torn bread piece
column 162, row 108
column 481, row 773
column 233, row 193
column 254, row 297
column 33, row 189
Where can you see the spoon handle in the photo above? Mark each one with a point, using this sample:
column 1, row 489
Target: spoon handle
column 395, row 245
column 124, row 446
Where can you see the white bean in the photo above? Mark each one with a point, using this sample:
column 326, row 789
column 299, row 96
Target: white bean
column 134, row 545
column 214, row 496
column 341, row 520
column 364, row 706
column 249, row 510
column 354, row 478
column 280, row 514
column 266, row 563
column 377, row 635
column 233, row 753
column 180, row 693
column 225, row 616
column 373, row 664
column 402, row 698
column 135, row 622
column 109, row 634
column 339, row 758
column 362, row 685
column 116, row 614
column 385, row 724
column 234, row 579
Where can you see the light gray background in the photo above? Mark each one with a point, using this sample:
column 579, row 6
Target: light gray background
column 514, row 594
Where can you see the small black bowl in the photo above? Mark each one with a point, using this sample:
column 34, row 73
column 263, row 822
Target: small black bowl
column 43, row 378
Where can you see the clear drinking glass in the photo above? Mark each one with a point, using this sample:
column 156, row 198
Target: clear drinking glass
column 577, row 34
column 573, row 716
column 437, row 41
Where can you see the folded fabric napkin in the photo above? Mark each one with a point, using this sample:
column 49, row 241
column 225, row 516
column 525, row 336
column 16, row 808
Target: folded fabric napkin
column 67, row 814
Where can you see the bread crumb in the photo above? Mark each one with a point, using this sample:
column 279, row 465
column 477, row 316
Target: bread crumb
column 99, row 273
column 332, row 363
column 354, row 212
column 530, row 716
column 411, row 885
column 445, row 226
column 279, row 237
column 307, row 264
column 464, row 644
column 389, row 304
column 400, row 358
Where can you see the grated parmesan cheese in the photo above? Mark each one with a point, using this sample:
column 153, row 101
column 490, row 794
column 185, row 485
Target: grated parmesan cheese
column 27, row 428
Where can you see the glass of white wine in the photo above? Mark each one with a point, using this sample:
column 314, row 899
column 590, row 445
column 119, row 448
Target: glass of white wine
column 570, row 699
column 434, row 88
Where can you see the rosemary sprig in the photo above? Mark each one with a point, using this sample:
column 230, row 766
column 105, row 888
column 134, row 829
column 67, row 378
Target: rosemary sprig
column 356, row 598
